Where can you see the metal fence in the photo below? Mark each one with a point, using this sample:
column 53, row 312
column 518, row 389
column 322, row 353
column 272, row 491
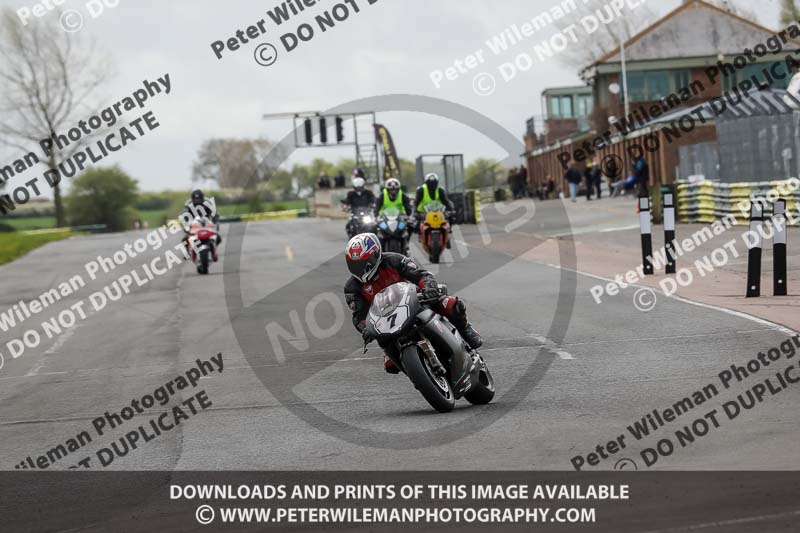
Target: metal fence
column 699, row 159
column 759, row 140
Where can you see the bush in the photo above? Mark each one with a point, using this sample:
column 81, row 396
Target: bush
column 150, row 201
column 5, row 228
column 102, row 196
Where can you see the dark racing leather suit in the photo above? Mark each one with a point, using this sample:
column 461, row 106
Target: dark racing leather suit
column 395, row 268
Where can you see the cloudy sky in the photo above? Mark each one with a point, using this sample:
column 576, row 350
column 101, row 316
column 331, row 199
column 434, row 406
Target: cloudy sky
column 389, row 47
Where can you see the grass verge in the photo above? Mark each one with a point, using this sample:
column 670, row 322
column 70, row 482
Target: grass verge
column 15, row 245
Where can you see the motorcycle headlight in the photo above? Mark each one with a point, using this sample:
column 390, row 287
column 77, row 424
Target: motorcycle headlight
column 401, row 225
column 367, row 220
column 384, row 225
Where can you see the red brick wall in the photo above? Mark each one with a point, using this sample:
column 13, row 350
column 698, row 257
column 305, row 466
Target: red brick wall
column 662, row 162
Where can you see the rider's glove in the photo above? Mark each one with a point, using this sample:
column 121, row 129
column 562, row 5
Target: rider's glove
column 431, row 290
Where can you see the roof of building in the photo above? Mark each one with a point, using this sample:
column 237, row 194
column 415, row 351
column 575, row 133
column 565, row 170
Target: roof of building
column 753, row 103
column 748, row 104
column 694, row 29
column 575, row 89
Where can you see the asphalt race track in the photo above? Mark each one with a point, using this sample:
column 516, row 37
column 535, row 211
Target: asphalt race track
column 329, row 406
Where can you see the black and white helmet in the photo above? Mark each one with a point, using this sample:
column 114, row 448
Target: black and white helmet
column 432, row 180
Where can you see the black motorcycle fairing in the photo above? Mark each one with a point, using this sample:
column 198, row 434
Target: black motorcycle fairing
column 452, row 353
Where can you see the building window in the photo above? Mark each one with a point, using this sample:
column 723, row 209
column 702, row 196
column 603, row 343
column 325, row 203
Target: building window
column 561, row 107
column 585, row 105
column 653, row 85
column 756, row 71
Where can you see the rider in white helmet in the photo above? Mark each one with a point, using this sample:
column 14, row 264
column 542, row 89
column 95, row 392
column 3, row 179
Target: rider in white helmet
column 359, row 197
column 393, row 196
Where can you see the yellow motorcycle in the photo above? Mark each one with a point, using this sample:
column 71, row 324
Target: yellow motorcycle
column 434, row 231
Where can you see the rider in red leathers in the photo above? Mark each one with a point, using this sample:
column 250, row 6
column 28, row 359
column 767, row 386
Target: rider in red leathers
column 373, row 271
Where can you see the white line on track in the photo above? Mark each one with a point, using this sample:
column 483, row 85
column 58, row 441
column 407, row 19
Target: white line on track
column 763, row 322
column 551, row 345
column 584, row 231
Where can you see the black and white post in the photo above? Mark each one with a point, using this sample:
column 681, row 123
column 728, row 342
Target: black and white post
column 647, row 237
column 754, row 253
column 669, row 230
column 779, row 248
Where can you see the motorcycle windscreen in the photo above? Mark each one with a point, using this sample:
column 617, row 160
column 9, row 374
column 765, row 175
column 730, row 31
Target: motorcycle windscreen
column 391, row 212
column 390, row 309
column 434, row 207
column 434, row 214
column 391, row 219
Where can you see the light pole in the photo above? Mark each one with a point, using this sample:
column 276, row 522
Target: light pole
column 624, row 70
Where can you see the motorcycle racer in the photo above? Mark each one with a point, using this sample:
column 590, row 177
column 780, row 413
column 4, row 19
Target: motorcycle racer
column 359, row 197
column 198, row 206
column 372, row 271
column 393, row 196
column 431, row 192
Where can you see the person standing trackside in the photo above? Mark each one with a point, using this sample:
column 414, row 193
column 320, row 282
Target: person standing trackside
column 573, row 177
column 523, row 180
column 597, row 178
column 589, row 178
column 641, row 175
column 512, row 182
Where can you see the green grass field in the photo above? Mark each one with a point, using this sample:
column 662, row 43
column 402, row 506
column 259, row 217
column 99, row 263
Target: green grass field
column 28, row 223
column 15, row 245
column 156, row 218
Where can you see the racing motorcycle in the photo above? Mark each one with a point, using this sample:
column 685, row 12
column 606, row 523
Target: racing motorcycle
column 393, row 231
column 434, row 231
column 362, row 220
column 428, row 348
column 202, row 243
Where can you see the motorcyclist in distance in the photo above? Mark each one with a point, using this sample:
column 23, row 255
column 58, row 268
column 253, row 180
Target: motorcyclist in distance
column 393, row 196
column 359, row 197
column 198, row 206
column 431, row 192
column 372, row 271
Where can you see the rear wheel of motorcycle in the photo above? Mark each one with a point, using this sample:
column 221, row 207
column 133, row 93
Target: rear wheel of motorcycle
column 205, row 258
column 435, row 389
column 483, row 392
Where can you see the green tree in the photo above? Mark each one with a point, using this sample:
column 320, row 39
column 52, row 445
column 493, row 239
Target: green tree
column 102, row 196
column 234, row 163
column 483, row 173
column 281, row 181
column 346, row 166
column 789, row 12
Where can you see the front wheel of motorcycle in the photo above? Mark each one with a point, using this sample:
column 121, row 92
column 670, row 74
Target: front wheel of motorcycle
column 483, row 391
column 395, row 246
column 436, row 249
column 435, row 389
column 204, row 260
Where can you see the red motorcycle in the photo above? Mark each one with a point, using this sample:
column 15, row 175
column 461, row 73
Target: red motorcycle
column 203, row 237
